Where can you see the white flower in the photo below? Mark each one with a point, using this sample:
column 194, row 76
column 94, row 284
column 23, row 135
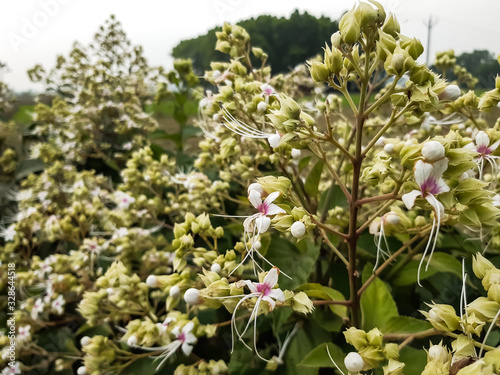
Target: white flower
column 438, row 353
column 429, row 179
column 255, row 186
column 23, row 334
column 84, row 341
column 82, row 370
column 433, row 151
column 8, row 233
column 123, row 200
column 298, row 229
column 12, row 370
column 264, row 291
column 267, row 91
column 266, row 208
column 483, row 148
column 377, row 229
column 192, row 296
column 58, row 304
column 354, row 362
column 37, row 309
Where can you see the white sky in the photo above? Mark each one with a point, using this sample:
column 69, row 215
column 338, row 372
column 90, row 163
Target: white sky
column 158, row 25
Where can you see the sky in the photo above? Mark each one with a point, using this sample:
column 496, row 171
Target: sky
column 36, row 31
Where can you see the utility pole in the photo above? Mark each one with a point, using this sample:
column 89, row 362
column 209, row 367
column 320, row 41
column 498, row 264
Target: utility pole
column 431, row 22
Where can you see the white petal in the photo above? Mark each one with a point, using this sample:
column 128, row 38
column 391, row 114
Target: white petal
column 274, row 210
column 409, row 198
column 270, row 301
column 187, row 349
column 250, row 286
column 188, row 327
column 422, row 171
column 262, row 223
column 435, row 203
column 494, row 146
column 271, row 278
column 438, row 168
column 255, row 198
column 272, row 197
column 176, row 331
column 470, row 147
column 443, row 188
column 190, row 338
column 277, row 294
column 482, row 139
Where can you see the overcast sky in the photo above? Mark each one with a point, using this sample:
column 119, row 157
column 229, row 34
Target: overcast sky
column 35, row 31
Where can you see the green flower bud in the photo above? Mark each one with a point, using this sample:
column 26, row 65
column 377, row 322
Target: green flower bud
column 391, row 351
column 333, row 60
column 319, row 71
column 349, row 27
column 366, row 15
column 336, row 40
column 391, row 26
column 491, row 277
column 372, row 356
column 394, row 367
column 442, row 317
column 375, row 337
column 301, row 303
column 492, row 358
column 413, row 46
column 356, row 337
column 483, row 308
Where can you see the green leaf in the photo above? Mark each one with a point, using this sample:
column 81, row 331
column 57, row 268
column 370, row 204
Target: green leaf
column 405, row 324
column 296, row 261
column 318, row 357
column 312, row 180
column 414, row 359
column 377, row 305
column 303, row 163
column 190, row 132
column 314, row 290
column 440, row 262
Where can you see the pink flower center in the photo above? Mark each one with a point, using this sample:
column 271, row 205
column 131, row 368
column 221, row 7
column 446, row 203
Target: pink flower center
column 430, row 186
column 484, row 150
column 268, row 91
column 263, row 207
column 263, row 288
column 181, row 337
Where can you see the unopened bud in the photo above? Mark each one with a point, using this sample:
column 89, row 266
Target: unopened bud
column 84, row 341
column 319, row 71
column 296, row 153
column 274, row 140
column 262, row 107
column 438, row 353
column 151, row 281
column 132, row 340
column 215, row 268
column 298, row 229
column 432, row 151
column 192, row 296
column 82, row 370
column 392, row 218
column 481, row 265
column 175, row 291
column 354, row 362
column 450, row 93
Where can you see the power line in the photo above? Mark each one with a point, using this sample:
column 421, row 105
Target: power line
column 431, row 22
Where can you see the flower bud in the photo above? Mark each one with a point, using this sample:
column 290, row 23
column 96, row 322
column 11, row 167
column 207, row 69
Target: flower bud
column 289, row 107
column 301, row 303
column 481, row 265
column 262, row 107
column 366, row 14
column 491, row 278
column 349, row 27
column 84, row 341
column 274, row 140
column 215, row 268
column 298, row 229
column 492, row 358
column 391, row 350
column 356, row 337
column 82, row 370
column 336, row 40
column 432, row 151
column 438, row 353
column 394, row 367
column 319, row 71
column 334, row 60
column 257, row 245
column 391, row 26
column 353, row 362
column 442, row 317
column 375, row 337
column 388, row 148
column 450, row 93
column 132, row 340
column 174, row 292
column 296, row 153
column 192, row 296
column 151, row 281
column 392, row 218
column 483, row 308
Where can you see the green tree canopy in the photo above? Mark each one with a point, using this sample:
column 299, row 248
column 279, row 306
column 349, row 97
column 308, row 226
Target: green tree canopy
column 288, row 41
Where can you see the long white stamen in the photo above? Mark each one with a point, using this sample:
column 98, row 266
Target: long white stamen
column 488, row 333
column 425, row 251
column 331, row 359
column 437, row 212
column 241, row 128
